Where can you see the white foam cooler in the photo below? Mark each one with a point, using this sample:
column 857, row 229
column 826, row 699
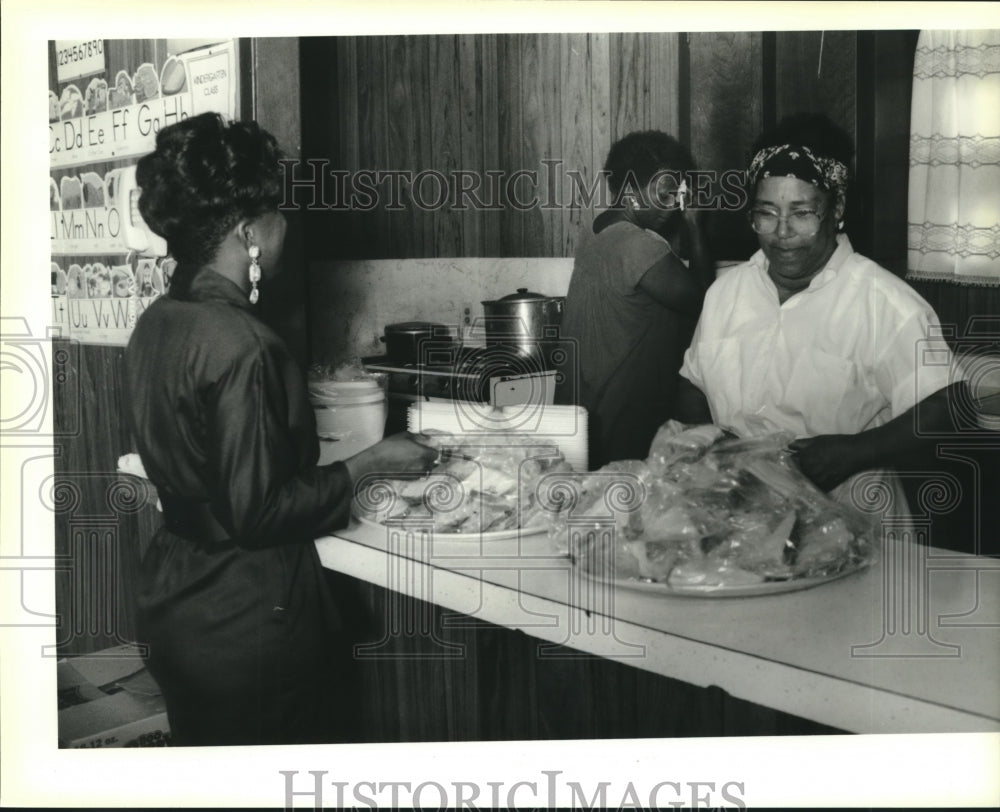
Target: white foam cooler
column 350, row 416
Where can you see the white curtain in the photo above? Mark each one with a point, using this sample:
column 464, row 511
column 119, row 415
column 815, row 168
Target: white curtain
column 954, row 193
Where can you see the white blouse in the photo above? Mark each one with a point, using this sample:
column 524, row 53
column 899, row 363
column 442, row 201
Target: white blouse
column 854, row 350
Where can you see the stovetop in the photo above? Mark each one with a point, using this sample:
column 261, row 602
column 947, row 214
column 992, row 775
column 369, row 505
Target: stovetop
column 458, row 371
column 448, row 358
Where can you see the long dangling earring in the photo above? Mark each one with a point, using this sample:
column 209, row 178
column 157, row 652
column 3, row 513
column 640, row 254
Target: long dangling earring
column 254, row 252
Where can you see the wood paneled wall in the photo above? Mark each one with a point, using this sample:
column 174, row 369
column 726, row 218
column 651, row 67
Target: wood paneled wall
column 414, row 672
column 103, row 522
column 270, row 94
column 724, row 112
column 507, row 102
column 481, row 104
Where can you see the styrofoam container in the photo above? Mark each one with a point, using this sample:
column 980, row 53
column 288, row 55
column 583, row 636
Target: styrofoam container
column 346, row 391
column 350, row 417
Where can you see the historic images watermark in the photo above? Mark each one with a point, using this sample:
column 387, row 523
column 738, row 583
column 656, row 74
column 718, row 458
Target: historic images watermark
column 315, row 185
column 548, row 791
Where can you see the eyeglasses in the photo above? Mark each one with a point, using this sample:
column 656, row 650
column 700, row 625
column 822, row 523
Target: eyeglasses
column 805, row 223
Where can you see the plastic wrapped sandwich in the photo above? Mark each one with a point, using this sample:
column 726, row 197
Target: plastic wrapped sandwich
column 477, row 486
column 707, row 511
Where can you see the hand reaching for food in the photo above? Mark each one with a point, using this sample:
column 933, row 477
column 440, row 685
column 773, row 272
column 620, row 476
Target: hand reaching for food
column 829, row 459
column 475, row 484
column 397, row 454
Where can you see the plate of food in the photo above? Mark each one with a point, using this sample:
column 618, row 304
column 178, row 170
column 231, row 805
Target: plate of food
column 716, row 580
column 444, row 535
column 479, row 489
column 711, row 516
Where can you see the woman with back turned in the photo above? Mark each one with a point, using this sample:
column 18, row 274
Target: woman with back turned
column 632, row 302
column 232, row 603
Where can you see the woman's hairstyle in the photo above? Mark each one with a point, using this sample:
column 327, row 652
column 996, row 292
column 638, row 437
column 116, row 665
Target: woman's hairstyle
column 640, row 155
column 203, row 178
column 808, row 146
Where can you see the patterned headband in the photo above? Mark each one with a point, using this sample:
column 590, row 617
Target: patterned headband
column 793, row 161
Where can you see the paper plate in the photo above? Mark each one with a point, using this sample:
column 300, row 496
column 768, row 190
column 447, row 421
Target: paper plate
column 493, row 535
column 562, row 426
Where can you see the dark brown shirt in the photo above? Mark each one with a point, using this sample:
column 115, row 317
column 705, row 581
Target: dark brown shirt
column 629, row 347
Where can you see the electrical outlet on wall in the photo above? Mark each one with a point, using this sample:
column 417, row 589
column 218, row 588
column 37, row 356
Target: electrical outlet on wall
column 468, row 323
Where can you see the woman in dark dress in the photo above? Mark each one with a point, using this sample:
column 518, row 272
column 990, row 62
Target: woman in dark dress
column 233, row 605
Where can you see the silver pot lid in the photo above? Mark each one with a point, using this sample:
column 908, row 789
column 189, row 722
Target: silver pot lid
column 522, row 295
column 413, row 327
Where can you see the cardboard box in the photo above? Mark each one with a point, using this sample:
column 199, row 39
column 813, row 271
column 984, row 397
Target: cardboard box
column 109, row 699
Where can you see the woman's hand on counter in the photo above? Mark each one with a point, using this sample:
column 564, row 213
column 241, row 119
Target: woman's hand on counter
column 396, row 454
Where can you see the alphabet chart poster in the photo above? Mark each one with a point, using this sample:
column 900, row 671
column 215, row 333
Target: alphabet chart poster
column 108, row 99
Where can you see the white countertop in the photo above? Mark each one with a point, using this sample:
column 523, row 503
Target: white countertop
column 911, row 644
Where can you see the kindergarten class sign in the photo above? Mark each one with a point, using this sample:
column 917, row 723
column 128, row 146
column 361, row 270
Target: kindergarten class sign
column 120, row 119
column 100, row 285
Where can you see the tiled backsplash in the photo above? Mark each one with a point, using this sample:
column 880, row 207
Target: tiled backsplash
column 351, row 302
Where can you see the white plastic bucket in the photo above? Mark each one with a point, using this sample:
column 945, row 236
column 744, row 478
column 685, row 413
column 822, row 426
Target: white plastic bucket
column 350, row 417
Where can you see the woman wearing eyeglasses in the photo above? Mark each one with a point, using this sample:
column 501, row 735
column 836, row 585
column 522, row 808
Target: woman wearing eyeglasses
column 810, row 337
column 632, row 302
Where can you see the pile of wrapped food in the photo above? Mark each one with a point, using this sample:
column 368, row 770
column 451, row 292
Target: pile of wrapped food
column 479, row 484
column 706, row 510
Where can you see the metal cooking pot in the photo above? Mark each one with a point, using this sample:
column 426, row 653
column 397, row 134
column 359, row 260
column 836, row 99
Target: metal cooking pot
column 403, row 340
column 521, row 319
